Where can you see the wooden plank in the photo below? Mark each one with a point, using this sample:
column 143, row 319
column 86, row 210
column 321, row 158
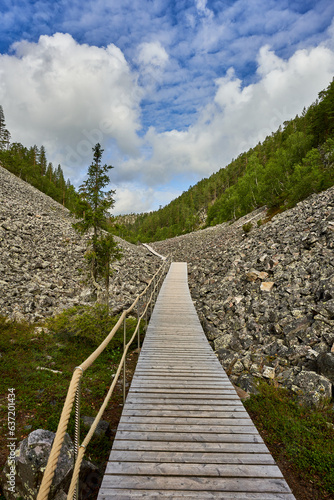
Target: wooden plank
column 149, row 385
column 185, row 420
column 222, row 437
column 192, row 446
column 193, row 407
column 191, row 399
column 193, row 469
column 193, row 457
column 186, row 413
column 197, row 483
column 182, row 389
column 126, row 494
column 193, row 428
column 183, row 394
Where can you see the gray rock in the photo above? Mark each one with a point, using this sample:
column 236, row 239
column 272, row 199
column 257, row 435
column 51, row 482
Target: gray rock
column 325, row 365
column 102, row 427
column 312, row 388
column 31, row 457
column 286, row 328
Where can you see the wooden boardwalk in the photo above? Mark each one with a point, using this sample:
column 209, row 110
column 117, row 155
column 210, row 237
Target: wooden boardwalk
column 184, row 432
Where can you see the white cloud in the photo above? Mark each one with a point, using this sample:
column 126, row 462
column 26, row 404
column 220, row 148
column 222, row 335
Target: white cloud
column 152, row 53
column 238, row 117
column 69, row 96
column 203, row 9
column 152, row 59
column 136, row 198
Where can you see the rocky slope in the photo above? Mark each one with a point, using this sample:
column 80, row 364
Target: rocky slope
column 266, row 298
column 42, row 265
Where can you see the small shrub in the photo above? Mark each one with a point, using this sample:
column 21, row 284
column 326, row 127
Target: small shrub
column 91, row 323
column 247, row 227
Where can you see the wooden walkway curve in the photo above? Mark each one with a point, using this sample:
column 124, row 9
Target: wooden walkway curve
column 184, row 432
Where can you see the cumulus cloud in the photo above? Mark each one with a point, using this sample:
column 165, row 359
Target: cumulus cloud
column 69, row 96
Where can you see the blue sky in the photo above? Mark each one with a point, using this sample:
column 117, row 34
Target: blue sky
column 172, row 90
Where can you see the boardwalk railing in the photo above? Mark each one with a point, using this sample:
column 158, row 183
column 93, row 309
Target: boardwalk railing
column 141, row 305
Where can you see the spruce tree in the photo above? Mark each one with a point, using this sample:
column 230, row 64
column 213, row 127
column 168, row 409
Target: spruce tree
column 94, row 208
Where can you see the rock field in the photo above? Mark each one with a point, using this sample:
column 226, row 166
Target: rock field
column 266, row 298
column 42, row 265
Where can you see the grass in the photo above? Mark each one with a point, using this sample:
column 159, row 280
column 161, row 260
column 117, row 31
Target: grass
column 300, row 435
column 61, row 344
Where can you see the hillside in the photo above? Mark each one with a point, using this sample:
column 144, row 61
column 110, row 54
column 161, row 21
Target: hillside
column 266, row 298
column 289, row 165
column 42, row 264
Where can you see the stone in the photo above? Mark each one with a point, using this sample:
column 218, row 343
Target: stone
column 223, row 341
column 31, row 457
column 266, row 286
column 252, row 275
column 329, row 308
column 248, row 383
column 313, row 388
column 102, row 427
column 325, row 365
column 268, row 372
column 61, row 495
column 42, row 262
column 243, row 395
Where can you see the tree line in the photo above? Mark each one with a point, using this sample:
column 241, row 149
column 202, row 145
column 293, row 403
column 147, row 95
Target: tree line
column 289, row 165
column 31, row 165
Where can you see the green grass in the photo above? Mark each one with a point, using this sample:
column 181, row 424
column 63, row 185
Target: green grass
column 304, row 436
column 65, row 343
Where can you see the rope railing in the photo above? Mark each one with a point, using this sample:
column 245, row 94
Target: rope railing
column 73, row 394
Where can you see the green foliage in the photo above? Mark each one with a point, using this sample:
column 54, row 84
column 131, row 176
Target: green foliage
column 247, row 227
column 40, row 394
column 95, row 201
column 302, row 435
column 90, row 325
column 93, row 212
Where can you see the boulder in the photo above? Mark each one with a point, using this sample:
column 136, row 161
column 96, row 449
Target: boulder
column 102, row 427
column 31, row 458
column 312, row 388
column 325, row 365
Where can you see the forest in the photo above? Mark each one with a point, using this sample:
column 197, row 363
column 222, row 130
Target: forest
column 289, row 165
